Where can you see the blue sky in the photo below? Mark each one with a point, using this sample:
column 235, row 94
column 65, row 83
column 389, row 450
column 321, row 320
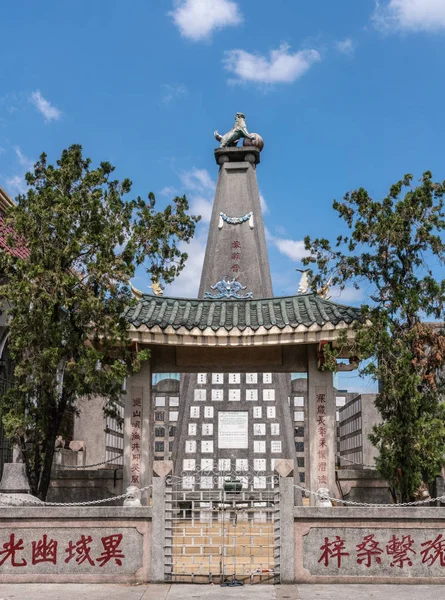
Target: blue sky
column 345, row 94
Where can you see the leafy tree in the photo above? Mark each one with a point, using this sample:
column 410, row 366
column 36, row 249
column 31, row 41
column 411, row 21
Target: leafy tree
column 391, row 250
column 68, row 335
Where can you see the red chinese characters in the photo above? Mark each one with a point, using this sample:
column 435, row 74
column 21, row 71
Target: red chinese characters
column 135, row 438
column 399, row 548
column 334, row 550
column 10, row 549
column 111, row 550
column 44, row 550
column 236, row 256
column 368, row 550
column 434, row 550
column 322, row 430
column 399, row 551
column 78, row 551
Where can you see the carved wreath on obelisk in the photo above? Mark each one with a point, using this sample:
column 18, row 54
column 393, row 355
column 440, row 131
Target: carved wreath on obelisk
column 238, row 131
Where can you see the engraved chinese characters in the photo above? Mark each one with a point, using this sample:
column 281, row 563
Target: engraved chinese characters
column 322, row 453
column 136, row 436
column 75, row 550
column 396, row 552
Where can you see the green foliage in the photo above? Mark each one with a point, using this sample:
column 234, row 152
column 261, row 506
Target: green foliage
column 68, row 335
column 391, row 249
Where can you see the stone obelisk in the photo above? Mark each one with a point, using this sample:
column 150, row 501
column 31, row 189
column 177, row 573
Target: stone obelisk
column 234, row 421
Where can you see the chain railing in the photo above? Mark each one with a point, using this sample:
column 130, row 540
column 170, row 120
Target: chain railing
column 323, row 496
column 104, row 462
column 356, row 463
column 86, row 503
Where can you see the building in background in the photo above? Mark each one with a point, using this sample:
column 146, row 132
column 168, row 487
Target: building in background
column 357, row 417
column 165, row 416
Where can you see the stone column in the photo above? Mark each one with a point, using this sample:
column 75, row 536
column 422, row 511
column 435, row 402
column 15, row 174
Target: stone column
column 284, row 528
column 161, row 551
column 138, row 442
column 321, row 426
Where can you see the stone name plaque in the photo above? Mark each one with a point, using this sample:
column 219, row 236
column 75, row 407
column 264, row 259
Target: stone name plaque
column 363, row 552
column 233, row 429
column 70, row 551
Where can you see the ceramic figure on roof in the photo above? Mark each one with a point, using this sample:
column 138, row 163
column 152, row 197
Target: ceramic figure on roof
column 303, row 286
column 238, row 131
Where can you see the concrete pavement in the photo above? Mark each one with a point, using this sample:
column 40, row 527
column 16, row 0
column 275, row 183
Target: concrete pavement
column 68, row 591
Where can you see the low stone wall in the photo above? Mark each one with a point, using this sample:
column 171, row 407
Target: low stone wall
column 75, row 545
column 78, row 485
column 369, row 545
column 363, row 485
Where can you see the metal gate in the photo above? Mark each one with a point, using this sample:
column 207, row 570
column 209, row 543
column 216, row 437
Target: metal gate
column 223, row 528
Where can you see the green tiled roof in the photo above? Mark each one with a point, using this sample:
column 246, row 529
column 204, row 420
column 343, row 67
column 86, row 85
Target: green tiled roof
column 293, row 311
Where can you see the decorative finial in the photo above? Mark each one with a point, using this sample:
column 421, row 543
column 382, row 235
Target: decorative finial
column 136, row 293
column 238, row 131
column 303, row 286
column 325, row 289
column 157, row 288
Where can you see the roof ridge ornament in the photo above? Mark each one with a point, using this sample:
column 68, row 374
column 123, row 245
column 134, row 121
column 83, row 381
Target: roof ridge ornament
column 228, row 289
column 303, row 286
column 223, row 218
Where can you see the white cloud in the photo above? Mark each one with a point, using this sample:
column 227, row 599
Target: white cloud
column 24, row 161
column 199, row 187
column 197, row 180
column 201, row 206
column 293, row 249
column 346, row 46
column 16, row 185
column 197, row 19
column 50, row 112
column 169, row 190
column 410, row 15
column 280, row 67
column 187, row 284
column 172, row 91
column 349, row 294
column 264, row 207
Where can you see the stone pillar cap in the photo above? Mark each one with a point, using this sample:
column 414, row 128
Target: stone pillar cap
column 14, row 478
column 237, row 154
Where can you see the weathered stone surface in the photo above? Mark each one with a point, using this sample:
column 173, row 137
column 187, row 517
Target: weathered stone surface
column 85, row 485
column 75, row 544
column 236, row 154
column 284, row 467
column 357, row 544
column 19, row 500
column 63, row 551
column 369, row 552
column 162, row 468
column 14, row 478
